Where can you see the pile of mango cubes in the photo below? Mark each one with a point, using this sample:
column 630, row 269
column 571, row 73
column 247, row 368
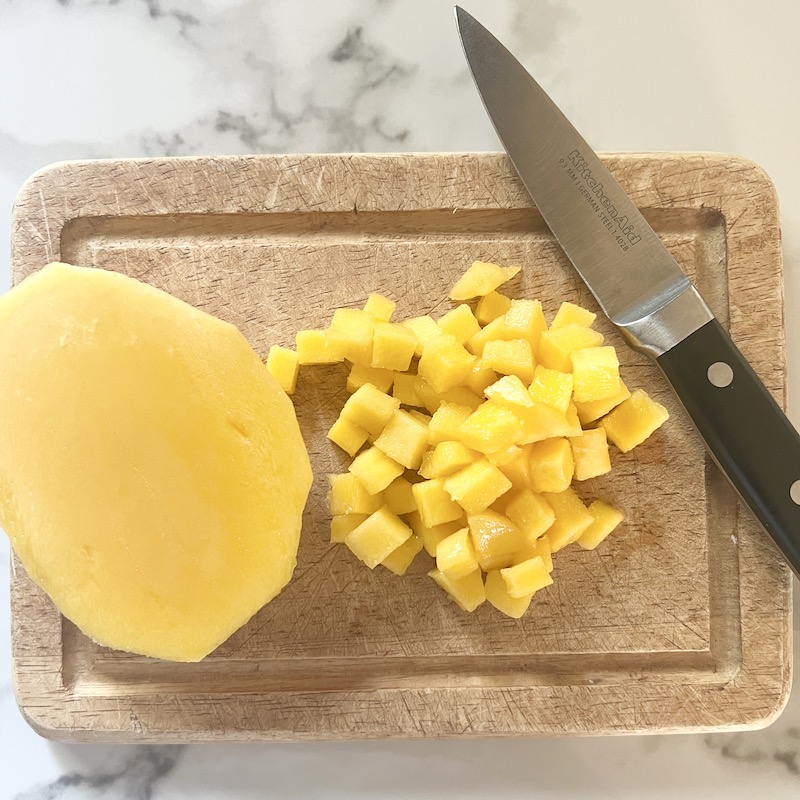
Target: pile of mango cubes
column 467, row 433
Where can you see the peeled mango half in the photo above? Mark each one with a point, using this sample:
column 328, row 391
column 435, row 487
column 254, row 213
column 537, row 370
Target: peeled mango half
column 152, row 473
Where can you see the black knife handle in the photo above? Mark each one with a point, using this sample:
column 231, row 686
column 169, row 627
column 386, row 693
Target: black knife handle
column 744, row 429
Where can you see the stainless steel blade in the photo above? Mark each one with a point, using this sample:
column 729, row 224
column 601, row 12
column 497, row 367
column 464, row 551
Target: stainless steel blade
column 606, row 238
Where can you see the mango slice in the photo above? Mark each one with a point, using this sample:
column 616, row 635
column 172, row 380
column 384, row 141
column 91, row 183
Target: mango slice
column 152, row 472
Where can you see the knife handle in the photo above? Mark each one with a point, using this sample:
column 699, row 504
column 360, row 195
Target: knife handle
column 744, row 429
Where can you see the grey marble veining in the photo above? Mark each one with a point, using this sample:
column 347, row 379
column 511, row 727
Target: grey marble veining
column 155, row 8
column 272, row 78
column 137, row 776
column 111, row 78
column 601, row 769
column 779, row 745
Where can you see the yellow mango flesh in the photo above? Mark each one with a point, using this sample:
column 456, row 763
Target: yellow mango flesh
column 152, row 472
column 502, row 444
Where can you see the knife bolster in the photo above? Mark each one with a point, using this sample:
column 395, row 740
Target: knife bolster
column 659, row 331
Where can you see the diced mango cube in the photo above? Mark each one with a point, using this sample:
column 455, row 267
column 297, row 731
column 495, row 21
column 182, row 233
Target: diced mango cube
column 399, row 560
column 354, row 329
column 492, row 426
column 424, row 418
column 572, row 419
column 449, row 457
column 497, row 594
column 462, row 396
column 477, row 486
column 496, row 539
column 283, row 365
column 393, row 346
column 524, row 320
column 468, row 592
column 404, row 439
column 556, row 345
column 491, row 306
column 425, row 329
column 551, row 465
column 446, row 423
column 511, row 391
column 375, row 469
column 380, row 308
column 431, row 535
column 425, row 469
column 518, row 470
column 318, row 347
column 360, row 375
column 596, row 373
column 572, row 518
column 606, row 518
column 634, row 420
column 445, row 363
column 455, row 555
column 570, row 314
column 342, row 524
column 399, row 497
column 493, row 332
column 348, row 495
column 434, row 504
column 541, row 548
column 369, row 408
column 531, row 513
column 501, row 457
column 460, row 323
column 526, row 578
column 590, row 454
column 380, row 534
column 589, row 412
column 482, row 375
column 405, row 389
column 513, row 357
column 552, row 388
column 480, row 279
column 429, row 398
column 546, row 422
column 349, row 436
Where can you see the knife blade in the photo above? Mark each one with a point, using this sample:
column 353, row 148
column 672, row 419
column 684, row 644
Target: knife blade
column 642, row 289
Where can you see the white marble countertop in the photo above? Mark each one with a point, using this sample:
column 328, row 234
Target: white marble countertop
column 98, row 78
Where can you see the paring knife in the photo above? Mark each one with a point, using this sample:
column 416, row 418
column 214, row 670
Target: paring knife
column 642, row 289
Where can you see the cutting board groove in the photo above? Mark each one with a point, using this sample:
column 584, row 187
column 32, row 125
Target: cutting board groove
column 679, row 622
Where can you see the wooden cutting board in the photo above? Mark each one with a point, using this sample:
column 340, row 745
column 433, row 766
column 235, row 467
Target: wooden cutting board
column 679, row 622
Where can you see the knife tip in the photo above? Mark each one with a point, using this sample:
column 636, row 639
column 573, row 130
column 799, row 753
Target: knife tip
column 465, row 22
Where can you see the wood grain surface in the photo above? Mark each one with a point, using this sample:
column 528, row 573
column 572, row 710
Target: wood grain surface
column 679, row 622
